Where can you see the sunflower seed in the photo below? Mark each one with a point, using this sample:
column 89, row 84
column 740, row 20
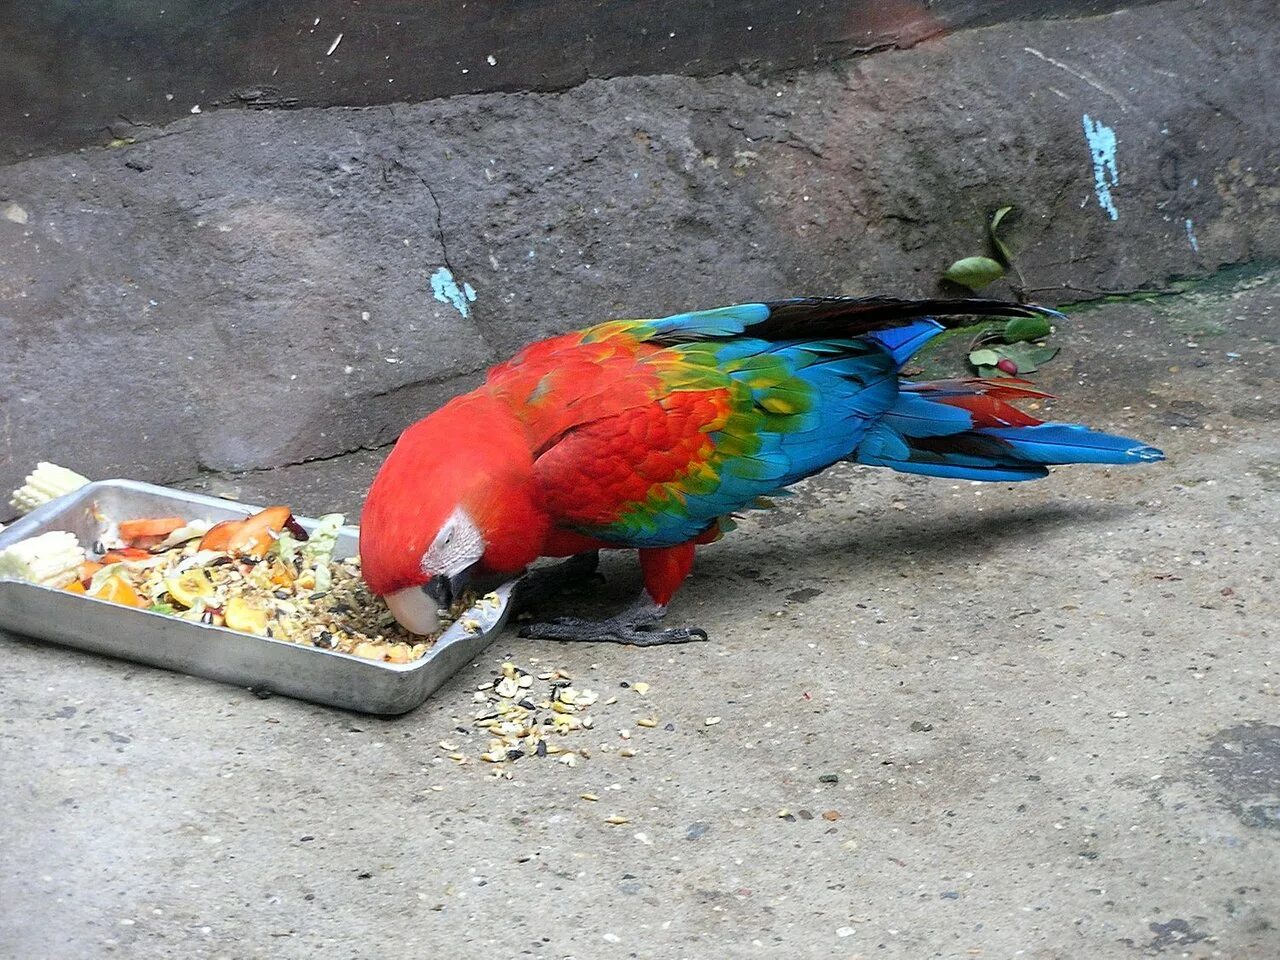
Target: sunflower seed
column 507, row 687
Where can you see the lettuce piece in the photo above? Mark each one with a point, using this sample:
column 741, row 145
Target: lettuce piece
column 324, row 538
column 286, row 547
column 318, row 551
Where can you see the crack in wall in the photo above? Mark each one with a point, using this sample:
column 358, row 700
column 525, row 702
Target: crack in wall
column 483, row 329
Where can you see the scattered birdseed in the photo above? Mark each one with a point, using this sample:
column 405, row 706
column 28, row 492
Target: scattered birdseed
column 626, row 752
column 521, row 720
column 640, row 688
column 646, row 722
column 711, row 721
column 829, row 778
column 616, row 820
column 831, row 815
column 588, row 796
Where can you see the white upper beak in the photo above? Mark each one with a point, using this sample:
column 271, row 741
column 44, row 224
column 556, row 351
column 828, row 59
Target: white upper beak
column 415, row 611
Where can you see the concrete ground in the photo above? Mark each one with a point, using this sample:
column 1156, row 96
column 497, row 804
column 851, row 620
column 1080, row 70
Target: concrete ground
column 1003, row 721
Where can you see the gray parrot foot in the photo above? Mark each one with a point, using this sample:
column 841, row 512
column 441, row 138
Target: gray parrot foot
column 636, row 626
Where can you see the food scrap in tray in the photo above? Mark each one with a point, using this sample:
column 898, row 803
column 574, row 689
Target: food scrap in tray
column 261, row 575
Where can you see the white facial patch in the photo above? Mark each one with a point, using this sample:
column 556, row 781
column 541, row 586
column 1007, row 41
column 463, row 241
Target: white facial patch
column 457, row 546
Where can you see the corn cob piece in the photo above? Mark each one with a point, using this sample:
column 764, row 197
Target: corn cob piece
column 47, row 482
column 50, row 559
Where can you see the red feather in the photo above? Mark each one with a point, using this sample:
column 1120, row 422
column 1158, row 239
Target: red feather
column 985, row 400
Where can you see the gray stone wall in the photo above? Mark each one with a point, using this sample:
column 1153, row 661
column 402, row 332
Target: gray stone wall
column 242, row 290
column 77, row 72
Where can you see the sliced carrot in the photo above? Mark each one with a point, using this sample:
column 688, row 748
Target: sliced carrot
column 219, row 535
column 86, row 570
column 123, row 554
column 260, row 531
column 117, row 590
column 250, row 537
column 75, row 586
column 131, row 530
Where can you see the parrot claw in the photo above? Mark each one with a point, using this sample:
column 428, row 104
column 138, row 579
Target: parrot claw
column 636, row 626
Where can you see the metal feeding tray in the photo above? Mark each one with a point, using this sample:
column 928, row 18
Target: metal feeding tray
column 202, row 650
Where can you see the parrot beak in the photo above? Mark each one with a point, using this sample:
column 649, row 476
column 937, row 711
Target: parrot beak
column 414, row 610
column 417, row 608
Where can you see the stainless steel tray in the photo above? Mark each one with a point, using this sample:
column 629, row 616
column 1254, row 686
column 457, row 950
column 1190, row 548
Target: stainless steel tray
column 308, row 673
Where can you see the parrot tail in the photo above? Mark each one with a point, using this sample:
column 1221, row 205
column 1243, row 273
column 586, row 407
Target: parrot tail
column 968, row 430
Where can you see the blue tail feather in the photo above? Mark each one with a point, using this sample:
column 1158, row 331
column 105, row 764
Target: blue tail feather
column 902, row 343
column 920, row 435
column 1073, row 443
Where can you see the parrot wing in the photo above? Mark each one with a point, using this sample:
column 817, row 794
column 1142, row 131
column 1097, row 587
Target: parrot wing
column 649, row 433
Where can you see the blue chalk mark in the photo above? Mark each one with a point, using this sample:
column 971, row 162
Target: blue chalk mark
column 446, row 290
column 1191, row 236
column 1102, row 150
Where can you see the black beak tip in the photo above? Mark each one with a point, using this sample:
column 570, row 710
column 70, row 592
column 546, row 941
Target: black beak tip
column 444, row 590
column 440, row 591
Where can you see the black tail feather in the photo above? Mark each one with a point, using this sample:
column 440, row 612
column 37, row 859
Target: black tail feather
column 831, row 317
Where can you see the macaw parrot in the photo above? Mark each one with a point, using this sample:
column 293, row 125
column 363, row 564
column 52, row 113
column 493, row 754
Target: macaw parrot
column 651, row 434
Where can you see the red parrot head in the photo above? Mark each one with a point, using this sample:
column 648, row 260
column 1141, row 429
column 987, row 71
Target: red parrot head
column 454, row 496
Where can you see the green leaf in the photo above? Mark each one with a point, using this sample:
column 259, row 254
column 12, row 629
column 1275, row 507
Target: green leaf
column 984, row 358
column 1043, row 354
column 1027, row 356
column 162, row 608
column 987, row 372
column 1026, row 328
column 1001, row 249
column 998, row 216
column 974, row 272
